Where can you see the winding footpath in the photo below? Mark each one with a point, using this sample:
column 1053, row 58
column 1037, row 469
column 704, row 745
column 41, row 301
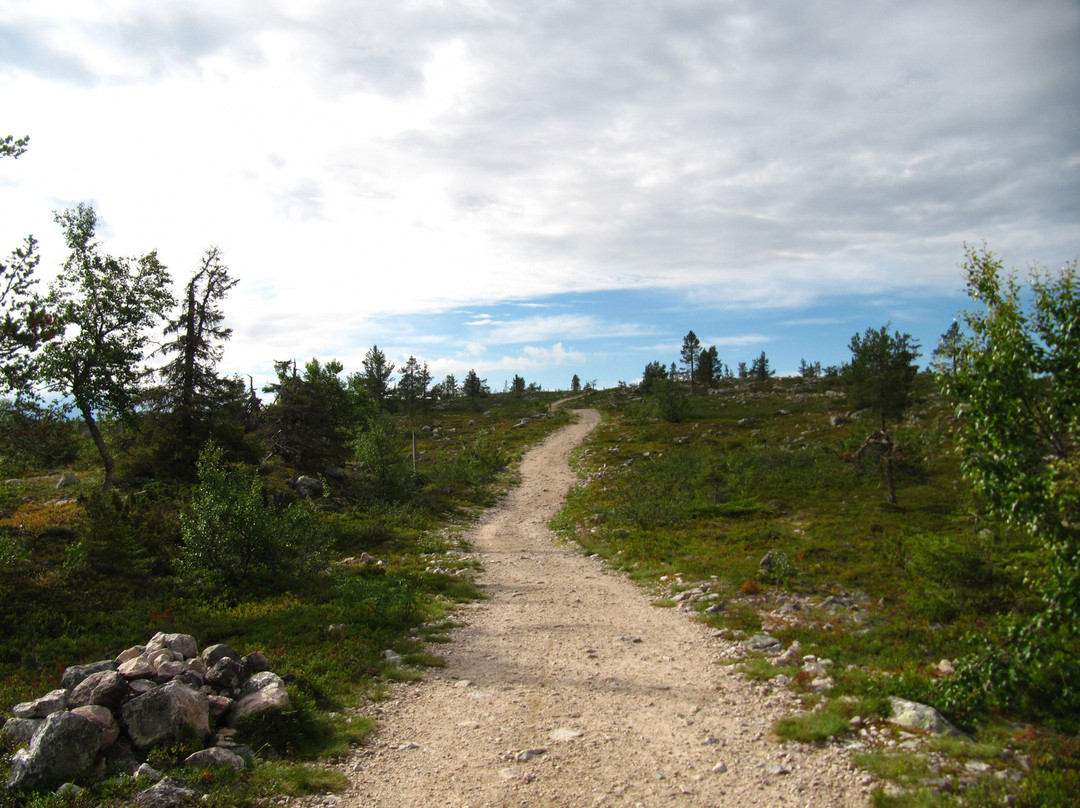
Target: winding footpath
column 566, row 688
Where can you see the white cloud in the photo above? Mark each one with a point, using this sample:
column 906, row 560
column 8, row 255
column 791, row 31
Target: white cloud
column 359, row 162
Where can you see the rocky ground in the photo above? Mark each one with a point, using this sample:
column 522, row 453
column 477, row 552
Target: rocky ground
column 567, row 688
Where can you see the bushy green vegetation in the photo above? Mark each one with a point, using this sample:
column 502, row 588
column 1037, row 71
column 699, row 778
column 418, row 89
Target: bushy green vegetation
column 765, row 466
column 239, row 557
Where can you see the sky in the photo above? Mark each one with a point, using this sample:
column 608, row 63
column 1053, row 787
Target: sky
column 550, row 189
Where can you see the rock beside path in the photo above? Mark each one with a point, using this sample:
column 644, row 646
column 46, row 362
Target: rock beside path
column 145, row 697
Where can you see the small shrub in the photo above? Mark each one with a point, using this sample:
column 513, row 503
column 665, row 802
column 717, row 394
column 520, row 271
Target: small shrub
column 233, row 537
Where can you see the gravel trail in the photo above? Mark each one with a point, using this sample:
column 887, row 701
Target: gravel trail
column 567, row 688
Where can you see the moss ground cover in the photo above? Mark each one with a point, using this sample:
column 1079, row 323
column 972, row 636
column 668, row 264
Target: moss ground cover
column 82, row 578
column 775, row 466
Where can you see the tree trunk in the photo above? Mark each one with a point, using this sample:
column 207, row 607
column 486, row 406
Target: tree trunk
column 103, row 450
column 890, row 485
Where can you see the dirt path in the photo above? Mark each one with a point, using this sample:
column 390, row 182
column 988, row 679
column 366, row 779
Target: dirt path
column 567, row 688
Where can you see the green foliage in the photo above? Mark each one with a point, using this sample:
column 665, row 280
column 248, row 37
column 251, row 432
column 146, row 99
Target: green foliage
column 24, row 324
column 1017, row 381
column 233, row 538
column 760, row 370
column 34, row 437
column 818, row 725
column 691, row 346
column 670, row 400
column 377, row 376
column 384, row 464
column 191, row 390
column 654, row 371
column 882, row 372
column 474, row 388
column 412, row 388
column 475, row 465
column 106, row 306
column 314, row 417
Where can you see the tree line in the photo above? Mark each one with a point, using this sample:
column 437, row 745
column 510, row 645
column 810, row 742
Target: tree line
column 89, row 337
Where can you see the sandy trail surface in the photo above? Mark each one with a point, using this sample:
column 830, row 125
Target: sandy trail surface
column 567, row 688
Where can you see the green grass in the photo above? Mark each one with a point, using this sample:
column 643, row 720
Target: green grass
column 326, row 634
column 761, row 468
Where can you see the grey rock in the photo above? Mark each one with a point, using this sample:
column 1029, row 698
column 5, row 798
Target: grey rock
column 219, row 706
column 921, row 716
column 76, row 673
column 160, row 715
column 212, row 653
column 68, row 480
column 101, row 716
column 308, row 487
column 167, row 671
column 170, row 792
column 271, row 698
column 261, row 680
column 225, row 674
column 129, row 653
column 765, row 643
column 147, row 772
column 141, row 686
column 137, row 668
column 253, row 663
column 183, row 644
column 214, row 757
column 52, row 702
column 528, row 754
column 107, row 688
column 775, row 767
column 64, row 745
column 19, row 731
column 243, row 750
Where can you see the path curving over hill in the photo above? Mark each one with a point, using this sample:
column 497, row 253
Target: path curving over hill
column 567, row 688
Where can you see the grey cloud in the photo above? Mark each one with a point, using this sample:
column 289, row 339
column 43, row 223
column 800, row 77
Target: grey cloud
column 795, row 132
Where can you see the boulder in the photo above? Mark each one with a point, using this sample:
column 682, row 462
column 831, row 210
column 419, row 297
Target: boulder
column 140, row 686
column 52, row 702
column 261, row 680
column 166, row 671
column 101, row 716
column 162, row 714
column 212, row 653
column 272, row 697
column 914, row 715
column 214, row 757
column 255, row 662
column 64, row 745
column 67, row 480
column 130, row 653
column 137, row 668
column 226, row 674
column 308, row 487
column 183, row 644
column 169, row 792
column 18, row 731
column 107, row 688
column 76, row 673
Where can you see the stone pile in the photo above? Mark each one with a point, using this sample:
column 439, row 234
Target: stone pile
column 115, row 711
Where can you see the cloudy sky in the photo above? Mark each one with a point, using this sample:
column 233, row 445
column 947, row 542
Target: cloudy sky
column 552, row 188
